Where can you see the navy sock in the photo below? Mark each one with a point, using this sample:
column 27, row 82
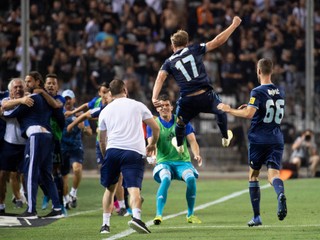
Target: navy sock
column 222, row 122
column 254, row 190
column 277, row 184
column 180, row 132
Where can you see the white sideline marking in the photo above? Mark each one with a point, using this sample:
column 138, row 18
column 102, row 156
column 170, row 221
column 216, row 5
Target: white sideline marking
column 220, row 200
column 83, row 212
column 245, row 226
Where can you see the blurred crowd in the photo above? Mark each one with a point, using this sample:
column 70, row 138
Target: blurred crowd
column 87, row 42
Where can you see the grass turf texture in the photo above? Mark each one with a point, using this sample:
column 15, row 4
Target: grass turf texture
column 225, row 220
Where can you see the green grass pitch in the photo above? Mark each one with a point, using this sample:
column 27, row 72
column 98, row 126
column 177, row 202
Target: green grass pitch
column 222, row 205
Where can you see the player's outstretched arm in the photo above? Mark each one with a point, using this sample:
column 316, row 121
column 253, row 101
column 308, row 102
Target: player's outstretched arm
column 78, row 120
column 223, row 36
column 151, row 148
column 8, row 104
column 103, row 141
column 83, row 107
column 194, row 148
column 50, row 100
column 247, row 112
column 162, row 76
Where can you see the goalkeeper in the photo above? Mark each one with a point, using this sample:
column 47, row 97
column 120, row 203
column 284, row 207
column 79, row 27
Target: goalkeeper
column 171, row 163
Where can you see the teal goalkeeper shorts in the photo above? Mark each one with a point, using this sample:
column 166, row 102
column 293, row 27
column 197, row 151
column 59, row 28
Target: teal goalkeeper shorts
column 176, row 169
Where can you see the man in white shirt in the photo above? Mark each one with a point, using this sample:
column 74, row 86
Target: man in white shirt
column 12, row 147
column 122, row 144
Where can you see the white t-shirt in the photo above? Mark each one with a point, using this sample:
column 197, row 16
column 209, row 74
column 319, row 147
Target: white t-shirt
column 122, row 119
column 13, row 131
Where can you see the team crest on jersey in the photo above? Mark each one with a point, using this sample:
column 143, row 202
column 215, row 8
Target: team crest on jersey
column 252, row 100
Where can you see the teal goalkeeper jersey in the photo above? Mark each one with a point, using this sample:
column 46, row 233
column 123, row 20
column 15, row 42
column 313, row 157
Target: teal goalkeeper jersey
column 165, row 150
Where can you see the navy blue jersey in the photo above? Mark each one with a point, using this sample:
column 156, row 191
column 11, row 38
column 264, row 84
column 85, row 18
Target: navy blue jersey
column 95, row 102
column 38, row 114
column 187, row 68
column 72, row 140
column 265, row 124
column 95, row 112
column 60, row 98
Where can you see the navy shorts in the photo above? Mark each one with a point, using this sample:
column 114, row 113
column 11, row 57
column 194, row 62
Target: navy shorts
column 57, row 157
column 268, row 154
column 190, row 107
column 12, row 157
column 68, row 158
column 129, row 163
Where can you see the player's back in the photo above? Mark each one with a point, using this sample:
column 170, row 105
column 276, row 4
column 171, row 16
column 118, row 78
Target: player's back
column 38, row 114
column 123, row 120
column 187, row 68
column 265, row 124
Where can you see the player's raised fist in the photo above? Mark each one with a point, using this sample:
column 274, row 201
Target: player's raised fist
column 156, row 102
column 236, row 21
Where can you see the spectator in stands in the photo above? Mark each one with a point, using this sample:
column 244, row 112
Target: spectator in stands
column 62, row 64
column 267, row 51
column 230, row 74
column 299, row 62
column 170, row 19
column 247, row 60
column 305, row 152
column 205, row 21
column 8, row 62
column 75, row 12
column 92, row 65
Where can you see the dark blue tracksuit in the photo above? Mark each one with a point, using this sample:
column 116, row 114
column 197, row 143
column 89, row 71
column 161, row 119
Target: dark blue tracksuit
column 39, row 148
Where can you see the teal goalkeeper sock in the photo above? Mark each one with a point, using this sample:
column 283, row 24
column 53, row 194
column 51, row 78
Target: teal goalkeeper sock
column 191, row 194
column 162, row 195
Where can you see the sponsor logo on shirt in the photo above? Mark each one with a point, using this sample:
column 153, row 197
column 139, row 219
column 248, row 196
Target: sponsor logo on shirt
column 252, row 100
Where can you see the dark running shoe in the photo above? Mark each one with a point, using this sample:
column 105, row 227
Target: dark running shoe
column 255, row 221
column 54, row 214
column 282, row 206
column 28, row 215
column 122, row 212
column 105, row 229
column 138, row 226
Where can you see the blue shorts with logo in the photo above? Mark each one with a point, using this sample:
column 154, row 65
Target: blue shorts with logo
column 69, row 157
column 129, row 163
column 265, row 154
column 176, row 169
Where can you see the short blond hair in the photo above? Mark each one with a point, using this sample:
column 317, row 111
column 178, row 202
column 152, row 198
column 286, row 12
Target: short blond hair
column 180, row 38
